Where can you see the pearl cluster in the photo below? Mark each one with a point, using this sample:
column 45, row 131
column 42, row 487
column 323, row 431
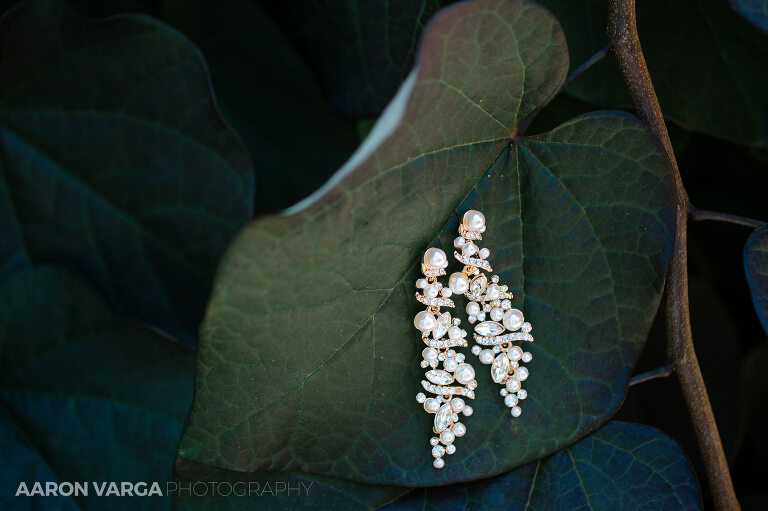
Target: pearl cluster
column 490, row 304
column 434, row 326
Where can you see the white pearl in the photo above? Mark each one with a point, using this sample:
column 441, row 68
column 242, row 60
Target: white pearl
column 450, row 365
column 513, row 385
column 527, row 357
column 438, row 463
column 469, row 249
column 513, row 319
column 430, row 291
column 455, row 333
column 516, row 411
column 473, row 220
column 473, row 308
column 486, row 356
column 432, row 405
column 492, row 292
column 465, row 373
column 446, row 292
column 521, row 373
column 429, row 353
column 497, row 314
column 447, row 436
column 459, row 283
column 484, row 253
column 424, row 321
column 435, row 258
column 459, row 242
column 468, row 410
column 459, row 429
column 457, row 404
column 421, row 283
column 514, row 353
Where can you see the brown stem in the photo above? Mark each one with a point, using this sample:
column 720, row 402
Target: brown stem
column 701, row 214
column 622, row 30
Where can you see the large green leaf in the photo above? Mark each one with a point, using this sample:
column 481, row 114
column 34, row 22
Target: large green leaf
column 264, row 88
column 84, row 395
column 708, row 65
column 756, row 267
column 309, row 359
column 115, row 161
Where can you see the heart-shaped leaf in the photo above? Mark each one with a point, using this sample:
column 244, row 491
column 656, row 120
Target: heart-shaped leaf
column 309, row 359
column 756, row 11
column 696, row 50
column 84, row 395
column 114, row 159
column 756, row 268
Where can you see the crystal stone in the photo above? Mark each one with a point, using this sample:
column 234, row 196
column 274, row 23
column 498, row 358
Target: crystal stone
column 443, row 322
column 478, row 285
column 439, row 377
column 500, row 368
column 489, row 328
column 443, row 418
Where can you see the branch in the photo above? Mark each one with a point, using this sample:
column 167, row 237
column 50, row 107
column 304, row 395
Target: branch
column 701, row 214
column 659, row 372
column 622, row 29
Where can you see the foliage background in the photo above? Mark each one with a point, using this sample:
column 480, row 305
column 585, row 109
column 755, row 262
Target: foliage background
column 321, row 97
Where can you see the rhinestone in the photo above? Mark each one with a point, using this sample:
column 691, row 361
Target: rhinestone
column 438, row 451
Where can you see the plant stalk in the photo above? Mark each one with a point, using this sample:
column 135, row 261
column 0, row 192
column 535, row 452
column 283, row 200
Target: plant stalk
column 622, row 30
column 701, row 214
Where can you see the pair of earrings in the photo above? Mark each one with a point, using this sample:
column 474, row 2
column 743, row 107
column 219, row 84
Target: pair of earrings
column 498, row 327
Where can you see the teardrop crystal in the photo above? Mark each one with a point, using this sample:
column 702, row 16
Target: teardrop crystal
column 443, row 418
column 443, row 323
column 488, row 328
column 439, row 377
column 478, row 285
column 500, row 368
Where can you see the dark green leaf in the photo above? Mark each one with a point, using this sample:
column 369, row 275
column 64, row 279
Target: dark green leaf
column 115, row 160
column 264, row 89
column 84, row 395
column 756, row 267
column 709, row 66
column 361, row 51
column 309, row 359
column 756, row 11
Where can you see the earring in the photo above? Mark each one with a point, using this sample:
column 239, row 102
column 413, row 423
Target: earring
column 505, row 325
column 434, row 325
